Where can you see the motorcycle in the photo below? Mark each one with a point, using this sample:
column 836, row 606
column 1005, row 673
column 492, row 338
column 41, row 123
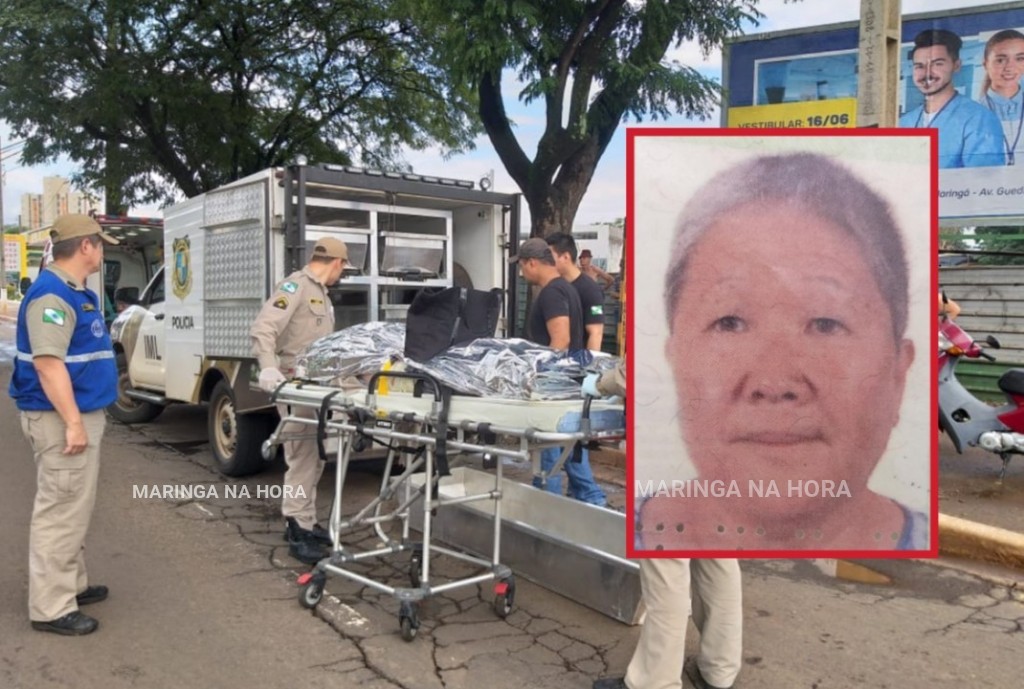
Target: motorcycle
column 968, row 420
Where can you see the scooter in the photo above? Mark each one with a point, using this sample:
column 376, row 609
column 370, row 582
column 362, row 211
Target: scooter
column 968, row 420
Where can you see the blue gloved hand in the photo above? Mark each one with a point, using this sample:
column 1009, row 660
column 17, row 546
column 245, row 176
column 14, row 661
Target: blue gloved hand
column 589, row 386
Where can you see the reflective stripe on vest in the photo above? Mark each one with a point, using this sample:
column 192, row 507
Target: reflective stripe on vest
column 89, row 359
column 73, row 358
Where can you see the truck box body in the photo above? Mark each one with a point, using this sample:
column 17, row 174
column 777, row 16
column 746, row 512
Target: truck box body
column 226, row 250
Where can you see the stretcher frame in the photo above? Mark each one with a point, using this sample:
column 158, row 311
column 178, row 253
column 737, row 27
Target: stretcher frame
column 422, row 431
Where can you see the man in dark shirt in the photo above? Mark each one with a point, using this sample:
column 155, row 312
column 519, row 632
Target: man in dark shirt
column 556, row 320
column 563, row 246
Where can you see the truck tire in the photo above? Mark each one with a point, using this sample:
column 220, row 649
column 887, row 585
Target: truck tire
column 124, row 408
column 236, row 439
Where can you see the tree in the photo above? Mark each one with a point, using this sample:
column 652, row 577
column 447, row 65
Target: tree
column 995, row 246
column 593, row 63
column 159, row 97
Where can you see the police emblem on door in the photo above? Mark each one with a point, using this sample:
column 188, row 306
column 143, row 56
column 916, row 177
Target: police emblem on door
column 181, row 277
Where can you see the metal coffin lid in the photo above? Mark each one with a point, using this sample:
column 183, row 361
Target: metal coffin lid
column 357, row 243
column 407, row 253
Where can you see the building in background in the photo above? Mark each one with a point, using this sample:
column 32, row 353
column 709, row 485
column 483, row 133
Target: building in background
column 605, row 241
column 31, row 211
column 39, row 210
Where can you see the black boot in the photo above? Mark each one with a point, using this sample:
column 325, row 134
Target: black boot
column 72, row 624
column 302, row 544
column 320, row 534
column 93, row 594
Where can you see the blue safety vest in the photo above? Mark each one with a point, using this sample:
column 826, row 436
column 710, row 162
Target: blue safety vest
column 90, row 356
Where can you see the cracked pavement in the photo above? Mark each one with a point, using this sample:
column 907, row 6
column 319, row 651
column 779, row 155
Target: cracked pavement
column 203, row 593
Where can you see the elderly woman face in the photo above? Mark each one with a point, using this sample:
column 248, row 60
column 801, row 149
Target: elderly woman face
column 783, row 353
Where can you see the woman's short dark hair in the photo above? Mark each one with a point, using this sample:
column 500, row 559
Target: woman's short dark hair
column 67, row 248
column 820, row 185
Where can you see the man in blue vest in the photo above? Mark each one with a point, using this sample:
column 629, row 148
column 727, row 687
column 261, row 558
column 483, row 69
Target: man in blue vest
column 64, row 377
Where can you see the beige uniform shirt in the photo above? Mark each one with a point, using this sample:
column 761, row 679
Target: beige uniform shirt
column 298, row 312
column 51, row 320
column 613, row 381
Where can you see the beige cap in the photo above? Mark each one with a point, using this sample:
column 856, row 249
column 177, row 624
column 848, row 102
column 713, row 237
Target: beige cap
column 77, row 225
column 329, row 247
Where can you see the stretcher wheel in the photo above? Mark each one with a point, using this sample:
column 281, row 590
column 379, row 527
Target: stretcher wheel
column 311, row 592
column 408, row 620
column 504, row 597
column 415, row 567
column 408, row 628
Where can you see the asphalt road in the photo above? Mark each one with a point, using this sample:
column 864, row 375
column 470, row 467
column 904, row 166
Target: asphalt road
column 203, row 595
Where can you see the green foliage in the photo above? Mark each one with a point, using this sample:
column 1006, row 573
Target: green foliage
column 986, row 245
column 593, row 63
column 157, row 97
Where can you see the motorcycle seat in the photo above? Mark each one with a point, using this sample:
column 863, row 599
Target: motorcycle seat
column 1012, row 382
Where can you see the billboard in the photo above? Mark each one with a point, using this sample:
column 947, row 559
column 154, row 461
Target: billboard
column 839, row 112
column 960, row 73
column 15, row 261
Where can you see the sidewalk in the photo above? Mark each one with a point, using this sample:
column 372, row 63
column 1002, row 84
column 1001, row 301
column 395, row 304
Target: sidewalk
column 963, row 532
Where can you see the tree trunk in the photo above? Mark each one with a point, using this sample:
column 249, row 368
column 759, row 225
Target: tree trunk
column 553, row 205
column 113, row 187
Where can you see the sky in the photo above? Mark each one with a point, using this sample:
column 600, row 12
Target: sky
column 605, row 200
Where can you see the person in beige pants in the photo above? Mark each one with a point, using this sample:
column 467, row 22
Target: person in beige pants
column 669, row 585
column 64, row 376
column 674, row 589
column 297, row 313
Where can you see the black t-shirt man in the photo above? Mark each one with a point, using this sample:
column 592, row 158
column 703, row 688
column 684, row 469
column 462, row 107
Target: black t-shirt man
column 591, row 300
column 557, row 298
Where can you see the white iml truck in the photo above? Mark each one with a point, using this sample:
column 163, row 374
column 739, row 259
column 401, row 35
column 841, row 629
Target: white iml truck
column 187, row 338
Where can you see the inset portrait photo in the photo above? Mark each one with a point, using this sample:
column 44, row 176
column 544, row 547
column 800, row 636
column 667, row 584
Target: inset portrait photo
column 782, row 343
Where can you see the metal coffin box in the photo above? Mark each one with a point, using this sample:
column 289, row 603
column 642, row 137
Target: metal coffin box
column 412, row 255
column 569, row 547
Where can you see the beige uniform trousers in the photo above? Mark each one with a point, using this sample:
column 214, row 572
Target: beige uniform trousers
column 304, row 468
column 65, row 495
column 717, row 604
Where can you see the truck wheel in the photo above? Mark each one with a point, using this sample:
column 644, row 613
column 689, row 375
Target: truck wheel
column 124, row 408
column 236, row 439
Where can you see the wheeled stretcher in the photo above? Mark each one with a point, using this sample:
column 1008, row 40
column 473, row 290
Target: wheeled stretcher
column 423, row 430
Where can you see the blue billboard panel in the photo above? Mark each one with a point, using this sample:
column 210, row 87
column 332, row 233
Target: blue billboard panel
column 960, row 73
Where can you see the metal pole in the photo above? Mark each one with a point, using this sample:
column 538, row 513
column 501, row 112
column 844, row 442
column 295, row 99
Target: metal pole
column 3, row 254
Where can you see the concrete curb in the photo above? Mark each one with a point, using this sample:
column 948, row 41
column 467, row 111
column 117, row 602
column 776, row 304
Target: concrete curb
column 957, row 537
column 976, row 541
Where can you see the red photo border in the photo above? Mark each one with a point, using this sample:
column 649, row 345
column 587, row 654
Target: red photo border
column 632, row 134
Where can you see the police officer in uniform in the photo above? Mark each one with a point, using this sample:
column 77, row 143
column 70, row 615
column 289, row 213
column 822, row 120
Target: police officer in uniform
column 297, row 313
column 64, row 376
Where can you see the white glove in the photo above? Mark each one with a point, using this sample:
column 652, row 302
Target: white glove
column 270, row 378
column 589, row 386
